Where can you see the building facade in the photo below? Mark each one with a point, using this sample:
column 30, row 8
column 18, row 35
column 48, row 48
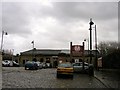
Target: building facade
column 52, row 56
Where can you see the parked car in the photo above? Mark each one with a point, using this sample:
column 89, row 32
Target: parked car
column 6, row 63
column 48, row 65
column 15, row 64
column 44, row 65
column 78, row 67
column 31, row 65
column 64, row 68
column 39, row 64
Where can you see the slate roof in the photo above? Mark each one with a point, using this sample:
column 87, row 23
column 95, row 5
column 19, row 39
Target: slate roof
column 52, row 52
column 41, row 52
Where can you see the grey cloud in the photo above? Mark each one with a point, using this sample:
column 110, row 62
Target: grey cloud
column 14, row 19
column 17, row 19
column 70, row 11
column 104, row 15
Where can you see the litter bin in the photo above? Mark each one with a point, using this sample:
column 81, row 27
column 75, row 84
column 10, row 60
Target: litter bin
column 91, row 71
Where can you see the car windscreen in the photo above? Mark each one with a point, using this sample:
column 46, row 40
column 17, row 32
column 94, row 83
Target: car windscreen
column 29, row 62
column 65, row 65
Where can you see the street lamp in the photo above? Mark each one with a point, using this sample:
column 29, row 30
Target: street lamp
column 33, row 43
column 12, row 53
column 88, row 44
column 33, row 50
column 83, row 54
column 3, row 33
column 91, row 23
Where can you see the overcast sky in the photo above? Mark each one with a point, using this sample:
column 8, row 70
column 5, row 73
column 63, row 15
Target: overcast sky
column 55, row 24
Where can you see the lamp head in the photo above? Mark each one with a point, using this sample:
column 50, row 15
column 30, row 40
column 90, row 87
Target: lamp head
column 6, row 33
column 84, row 39
column 91, row 23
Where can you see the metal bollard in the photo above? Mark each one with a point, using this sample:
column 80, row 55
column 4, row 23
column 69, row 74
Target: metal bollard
column 91, row 71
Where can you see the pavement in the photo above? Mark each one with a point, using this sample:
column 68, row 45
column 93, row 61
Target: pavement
column 109, row 77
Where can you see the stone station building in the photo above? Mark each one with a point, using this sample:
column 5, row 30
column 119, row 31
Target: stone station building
column 53, row 56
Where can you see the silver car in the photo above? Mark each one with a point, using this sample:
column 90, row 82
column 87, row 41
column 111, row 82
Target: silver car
column 44, row 65
column 39, row 64
column 78, row 67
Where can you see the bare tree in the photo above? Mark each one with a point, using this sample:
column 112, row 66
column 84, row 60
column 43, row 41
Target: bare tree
column 110, row 51
column 106, row 48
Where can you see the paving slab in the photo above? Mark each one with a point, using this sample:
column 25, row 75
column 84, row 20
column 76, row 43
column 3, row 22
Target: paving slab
column 109, row 77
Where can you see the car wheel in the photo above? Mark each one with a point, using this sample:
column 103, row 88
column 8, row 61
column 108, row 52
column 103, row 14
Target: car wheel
column 71, row 76
column 58, row 76
column 25, row 68
column 35, row 68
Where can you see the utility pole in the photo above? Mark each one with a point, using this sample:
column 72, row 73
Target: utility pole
column 95, row 48
column 91, row 23
column 71, row 52
column 88, row 51
column 83, row 56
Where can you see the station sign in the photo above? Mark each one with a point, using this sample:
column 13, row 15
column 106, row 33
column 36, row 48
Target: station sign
column 77, row 50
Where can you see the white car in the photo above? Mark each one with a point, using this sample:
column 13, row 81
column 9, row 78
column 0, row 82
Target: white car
column 44, row 65
column 39, row 64
column 48, row 65
column 6, row 63
column 78, row 67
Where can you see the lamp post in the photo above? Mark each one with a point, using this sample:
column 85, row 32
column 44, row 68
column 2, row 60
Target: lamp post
column 83, row 55
column 12, row 55
column 33, row 50
column 91, row 23
column 3, row 33
column 33, row 44
column 88, row 44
